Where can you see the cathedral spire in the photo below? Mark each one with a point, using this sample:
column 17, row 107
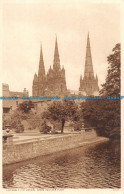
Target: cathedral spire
column 41, row 71
column 88, row 73
column 89, row 84
column 56, row 63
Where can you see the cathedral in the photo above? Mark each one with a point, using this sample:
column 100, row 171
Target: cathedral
column 52, row 83
column 89, row 84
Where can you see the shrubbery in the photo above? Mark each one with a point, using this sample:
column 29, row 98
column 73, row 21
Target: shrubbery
column 44, row 128
column 19, row 128
column 104, row 115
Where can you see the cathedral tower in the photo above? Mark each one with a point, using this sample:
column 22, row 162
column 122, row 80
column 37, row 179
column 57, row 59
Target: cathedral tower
column 56, row 61
column 56, row 83
column 35, row 85
column 89, row 84
column 40, row 79
column 41, row 75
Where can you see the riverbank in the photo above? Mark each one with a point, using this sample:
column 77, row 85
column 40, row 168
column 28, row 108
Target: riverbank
column 39, row 146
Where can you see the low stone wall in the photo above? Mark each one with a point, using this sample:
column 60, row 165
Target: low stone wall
column 27, row 150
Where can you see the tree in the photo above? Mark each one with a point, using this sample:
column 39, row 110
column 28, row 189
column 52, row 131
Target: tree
column 62, row 111
column 112, row 85
column 105, row 114
column 26, row 106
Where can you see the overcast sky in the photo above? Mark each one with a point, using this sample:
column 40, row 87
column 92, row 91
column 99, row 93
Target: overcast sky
column 27, row 25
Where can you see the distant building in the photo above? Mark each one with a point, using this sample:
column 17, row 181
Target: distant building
column 52, row 83
column 89, row 84
column 73, row 92
column 9, row 105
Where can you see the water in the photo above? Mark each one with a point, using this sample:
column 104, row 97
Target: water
column 91, row 166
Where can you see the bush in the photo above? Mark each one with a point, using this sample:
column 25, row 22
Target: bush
column 26, row 106
column 19, row 128
column 77, row 126
column 44, row 128
column 6, row 121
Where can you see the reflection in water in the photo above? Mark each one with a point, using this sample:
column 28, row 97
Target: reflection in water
column 96, row 166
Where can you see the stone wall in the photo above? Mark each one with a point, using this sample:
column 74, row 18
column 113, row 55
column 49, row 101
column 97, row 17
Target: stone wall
column 23, row 151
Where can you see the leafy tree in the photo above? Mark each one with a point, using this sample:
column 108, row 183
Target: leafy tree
column 26, row 106
column 112, row 85
column 62, row 111
column 105, row 114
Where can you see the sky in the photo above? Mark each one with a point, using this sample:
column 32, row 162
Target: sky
column 27, row 25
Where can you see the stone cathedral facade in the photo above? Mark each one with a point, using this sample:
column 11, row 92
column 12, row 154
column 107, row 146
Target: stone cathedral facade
column 89, row 83
column 52, row 83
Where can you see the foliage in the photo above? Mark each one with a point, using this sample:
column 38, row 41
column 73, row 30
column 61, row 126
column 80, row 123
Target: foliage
column 112, row 85
column 16, row 119
column 77, row 126
column 105, row 114
column 44, row 128
column 62, row 111
column 19, row 128
column 30, row 120
column 6, row 121
column 26, row 106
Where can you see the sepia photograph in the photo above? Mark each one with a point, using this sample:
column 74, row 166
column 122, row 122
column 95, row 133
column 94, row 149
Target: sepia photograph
column 61, row 95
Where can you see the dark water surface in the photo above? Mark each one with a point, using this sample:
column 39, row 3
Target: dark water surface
column 90, row 166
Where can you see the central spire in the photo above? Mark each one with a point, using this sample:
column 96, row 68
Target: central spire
column 88, row 73
column 41, row 71
column 56, row 62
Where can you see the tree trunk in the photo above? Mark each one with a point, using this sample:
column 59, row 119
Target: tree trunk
column 63, row 123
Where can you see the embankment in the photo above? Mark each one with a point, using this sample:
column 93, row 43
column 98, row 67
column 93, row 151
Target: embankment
column 26, row 150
